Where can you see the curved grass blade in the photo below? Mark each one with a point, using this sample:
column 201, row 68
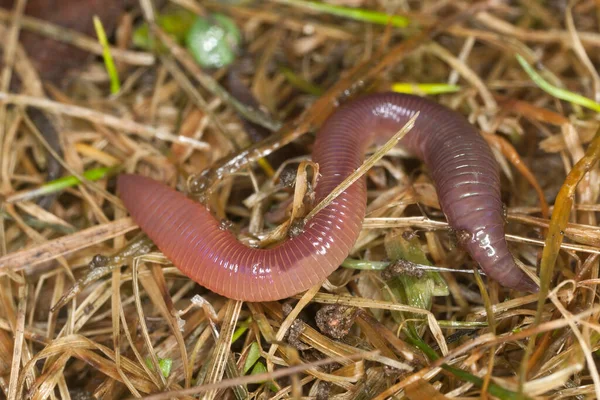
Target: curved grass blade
column 111, row 69
column 59, row 184
column 557, row 92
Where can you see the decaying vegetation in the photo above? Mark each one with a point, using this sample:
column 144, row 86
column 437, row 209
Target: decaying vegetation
column 90, row 309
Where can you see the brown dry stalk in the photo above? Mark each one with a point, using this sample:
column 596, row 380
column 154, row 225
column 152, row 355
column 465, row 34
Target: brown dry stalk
column 65, row 245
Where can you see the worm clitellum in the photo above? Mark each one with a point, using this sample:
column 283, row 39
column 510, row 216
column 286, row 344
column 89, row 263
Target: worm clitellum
column 461, row 164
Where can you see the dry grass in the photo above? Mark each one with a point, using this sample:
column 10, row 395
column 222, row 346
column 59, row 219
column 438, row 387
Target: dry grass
column 88, row 308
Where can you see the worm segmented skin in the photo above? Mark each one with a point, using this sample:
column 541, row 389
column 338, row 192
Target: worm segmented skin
column 462, row 167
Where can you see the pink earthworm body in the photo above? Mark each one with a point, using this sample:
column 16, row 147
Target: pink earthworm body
column 461, row 164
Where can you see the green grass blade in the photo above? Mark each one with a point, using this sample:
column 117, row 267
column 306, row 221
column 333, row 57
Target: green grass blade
column 109, row 63
column 259, row 368
column 356, row 14
column 365, row 264
column 62, row 183
column 242, row 328
column 493, row 389
column 253, row 356
column 557, row 92
column 300, row 83
column 425, row 88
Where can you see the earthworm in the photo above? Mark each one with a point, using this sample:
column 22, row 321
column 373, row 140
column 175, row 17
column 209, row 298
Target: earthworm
column 460, row 162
